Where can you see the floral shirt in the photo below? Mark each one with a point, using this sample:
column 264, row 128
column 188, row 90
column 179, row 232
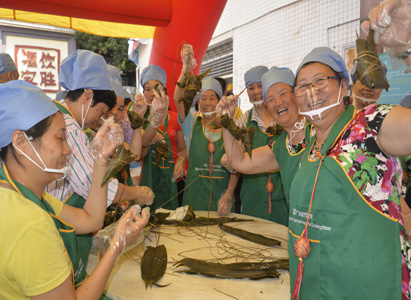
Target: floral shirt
column 376, row 175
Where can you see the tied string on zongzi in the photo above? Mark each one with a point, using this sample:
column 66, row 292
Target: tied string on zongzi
column 192, row 85
column 245, row 135
column 369, row 70
column 161, row 152
column 120, row 158
column 136, row 121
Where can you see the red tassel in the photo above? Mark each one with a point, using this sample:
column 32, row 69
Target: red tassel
column 211, row 163
column 296, row 292
column 269, row 203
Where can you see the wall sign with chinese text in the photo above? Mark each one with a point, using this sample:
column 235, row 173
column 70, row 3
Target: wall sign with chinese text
column 39, row 66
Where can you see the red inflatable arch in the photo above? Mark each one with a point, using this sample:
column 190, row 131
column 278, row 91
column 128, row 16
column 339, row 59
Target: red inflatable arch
column 192, row 21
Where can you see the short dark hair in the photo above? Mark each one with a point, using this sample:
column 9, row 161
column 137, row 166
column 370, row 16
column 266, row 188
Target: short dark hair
column 35, row 132
column 99, row 96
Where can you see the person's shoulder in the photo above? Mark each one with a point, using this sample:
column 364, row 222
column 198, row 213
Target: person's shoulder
column 17, row 205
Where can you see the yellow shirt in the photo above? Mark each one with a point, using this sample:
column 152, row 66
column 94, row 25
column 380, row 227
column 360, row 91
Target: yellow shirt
column 33, row 260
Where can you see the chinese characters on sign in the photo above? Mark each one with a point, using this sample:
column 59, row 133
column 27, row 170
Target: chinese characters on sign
column 39, row 66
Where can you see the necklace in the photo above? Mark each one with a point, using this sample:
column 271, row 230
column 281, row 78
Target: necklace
column 210, row 148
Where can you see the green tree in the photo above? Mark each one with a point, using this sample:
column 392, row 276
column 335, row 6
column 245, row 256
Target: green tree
column 114, row 50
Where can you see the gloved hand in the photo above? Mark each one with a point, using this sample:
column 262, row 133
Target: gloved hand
column 129, row 229
column 140, row 105
column 226, row 163
column 227, row 105
column 109, row 136
column 159, row 108
column 391, row 21
column 158, row 138
column 144, row 195
column 178, row 169
column 225, row 203
column 187, row 57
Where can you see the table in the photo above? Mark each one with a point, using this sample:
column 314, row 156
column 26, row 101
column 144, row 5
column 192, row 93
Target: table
column 126, row 283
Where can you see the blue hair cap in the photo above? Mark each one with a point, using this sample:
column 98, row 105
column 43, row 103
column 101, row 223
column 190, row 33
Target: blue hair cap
column 153, row 72
column 6, row 64
column 276, row 75
column 22, row 105
column 84, row 69
column 211, row 83
column 328, row 57
column 254, row 75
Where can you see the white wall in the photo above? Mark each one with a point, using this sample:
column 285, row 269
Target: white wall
column 281, row 33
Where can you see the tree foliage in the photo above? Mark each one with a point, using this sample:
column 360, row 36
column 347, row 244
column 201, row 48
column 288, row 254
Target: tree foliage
column 114, row 50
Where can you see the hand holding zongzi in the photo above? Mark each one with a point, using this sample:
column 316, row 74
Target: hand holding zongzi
column 109, row 136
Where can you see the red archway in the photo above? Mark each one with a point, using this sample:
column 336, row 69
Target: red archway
column 192, row 21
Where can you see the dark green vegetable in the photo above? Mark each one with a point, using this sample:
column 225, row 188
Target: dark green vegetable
column 235, row 270
column 120, row 158
column 192, row 85
column 249, row 236
column 245, row 135
column 154, row 265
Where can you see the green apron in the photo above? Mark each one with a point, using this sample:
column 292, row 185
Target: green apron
column 67, row 232
column 201, row 185
column 254, row 195
column 355, row 249
column 158, row 177
column 289, row 163
column 84, row 241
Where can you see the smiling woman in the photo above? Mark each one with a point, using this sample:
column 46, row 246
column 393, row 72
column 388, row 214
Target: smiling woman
column 347, row 188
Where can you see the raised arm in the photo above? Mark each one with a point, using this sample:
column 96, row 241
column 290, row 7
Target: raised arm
column 394, row 137
column 186, row 57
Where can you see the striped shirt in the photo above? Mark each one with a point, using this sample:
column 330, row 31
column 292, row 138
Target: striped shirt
column 81, row 164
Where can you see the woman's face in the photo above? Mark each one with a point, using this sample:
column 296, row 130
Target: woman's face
column 94, row 114
column 281, row 104
column 208, row 101
column 149, row 90
column 315, row 99
column 117, row 111
column 255, row 92
column 362, row 91
column 52, row 146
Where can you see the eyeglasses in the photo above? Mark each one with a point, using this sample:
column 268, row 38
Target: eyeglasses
column 318, row 83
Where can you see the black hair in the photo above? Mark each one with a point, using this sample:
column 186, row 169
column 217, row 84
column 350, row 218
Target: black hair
column 35, row 132
column 127, row 102
column 99, row 96
column 223, row 83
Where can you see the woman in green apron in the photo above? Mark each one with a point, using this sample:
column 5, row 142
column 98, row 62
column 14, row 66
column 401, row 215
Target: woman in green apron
column 261, row 194
column 38, row 229
column 164, row 140
column 347, row 238
column 289, row 146
column 209, row 186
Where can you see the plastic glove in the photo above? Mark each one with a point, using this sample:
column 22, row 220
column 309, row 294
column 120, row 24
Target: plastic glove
column 227, row 105
column 226, row 163
column 128, row 229
column 187, row 57
column 225, row 203
column 109, row 136
column 144, row 195
column 159, row 108
column 178, row 169
column 140, row 105
column 158, row 138
column 391, row 21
